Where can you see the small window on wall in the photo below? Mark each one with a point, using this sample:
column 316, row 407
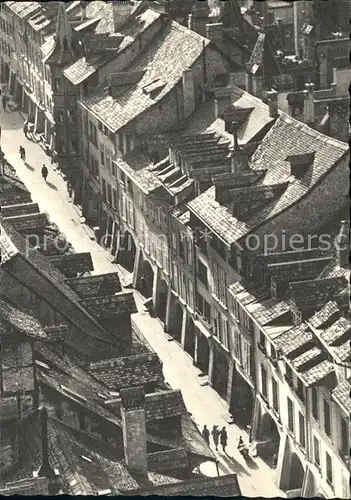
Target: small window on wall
column 57, row 84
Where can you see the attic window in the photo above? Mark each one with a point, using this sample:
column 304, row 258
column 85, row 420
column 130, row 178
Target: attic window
column 154, row 86
column 300, row 163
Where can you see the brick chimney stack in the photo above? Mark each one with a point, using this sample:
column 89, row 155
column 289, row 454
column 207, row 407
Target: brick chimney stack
column 188, row 93
column 223, row 100
column 134, row 429
column 343, row 244
column 272, row 96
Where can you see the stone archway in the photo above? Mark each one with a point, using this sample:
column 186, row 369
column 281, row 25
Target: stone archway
column 270, row 437
column 297, row 473
column 189, row 340
column 241, row 401
column 162, row 292
column 146, row 283
column 176, row 321
column 220, row 373
column 127, row 252
column 203, row 353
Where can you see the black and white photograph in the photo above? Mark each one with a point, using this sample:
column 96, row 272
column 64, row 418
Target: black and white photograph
column 174, row 248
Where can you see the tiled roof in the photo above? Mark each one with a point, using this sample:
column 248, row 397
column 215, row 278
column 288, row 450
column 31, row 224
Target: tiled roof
column 164, row 404
column 29, row 222
column 136, row 165
column 104, row 307
column 96, row 286
column 21, row 209
column 306, row 358
column 342, row 394
column 80, row 70
column 340, row 329
column 287, row 136
column 223, row 486
column 168, row 460
column 317, row 292
column 317, row 373
column 301, row 269
column 186, row 45
column 294, row 339
column 128, row 371
column 14, row 321
column 90, row 339
column 294, row 255
column 270, row 310
column 73, row 262
column 330, row 310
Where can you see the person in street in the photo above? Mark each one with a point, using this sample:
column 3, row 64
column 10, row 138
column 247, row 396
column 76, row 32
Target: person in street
column 206, row 434
column 22, row 153
column 274, row 460
column 44, row 172
column 240, row 442
column 25, row 128
column 215, row 436
column 4, row 102
column 223, row 436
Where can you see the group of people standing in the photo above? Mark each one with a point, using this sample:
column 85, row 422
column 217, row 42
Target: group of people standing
column 218, row 436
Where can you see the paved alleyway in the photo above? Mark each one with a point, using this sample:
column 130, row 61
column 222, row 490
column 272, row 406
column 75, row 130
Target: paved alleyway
column 203, row 402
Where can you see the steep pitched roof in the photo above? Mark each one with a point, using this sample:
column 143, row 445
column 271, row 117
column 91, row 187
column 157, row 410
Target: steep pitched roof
column 186, row 45
column 128, row 371
column 90, row 339
column 287, row 136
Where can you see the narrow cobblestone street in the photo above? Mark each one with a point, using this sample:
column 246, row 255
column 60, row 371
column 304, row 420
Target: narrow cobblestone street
column 256, row 478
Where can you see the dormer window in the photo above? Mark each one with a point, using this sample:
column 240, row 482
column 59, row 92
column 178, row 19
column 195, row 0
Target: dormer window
column 300, row 163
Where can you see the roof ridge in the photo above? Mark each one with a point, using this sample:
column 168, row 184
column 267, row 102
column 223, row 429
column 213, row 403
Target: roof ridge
column 191, row 33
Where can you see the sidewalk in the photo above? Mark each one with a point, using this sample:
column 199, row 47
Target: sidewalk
column 256, row 479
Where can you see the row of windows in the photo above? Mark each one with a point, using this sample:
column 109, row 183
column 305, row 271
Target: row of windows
column 219, row 278
column 127, row 211
column 328, row 460
column 106, row 159
column 109, row 194
column 242, row 351
column 241, row 315
column 222, row 330
column 183, row 286
column 292, row 424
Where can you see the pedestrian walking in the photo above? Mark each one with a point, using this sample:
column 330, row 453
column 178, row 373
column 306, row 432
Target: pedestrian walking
column 223, row 436
column 44, row 172
column 274, row 460
column 206, row 434
column 215, row 436
column 4, row 102
column 25, row 128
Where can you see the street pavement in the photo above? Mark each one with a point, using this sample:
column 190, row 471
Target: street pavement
column 206, row 407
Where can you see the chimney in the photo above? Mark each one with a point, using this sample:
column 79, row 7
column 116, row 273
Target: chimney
column 223, row 99
column 257, row 85
column 343, row 244
column 214, row 31
column 300, row 163
column 234, row 130
column 188, row 93
column 45, row 469
column 308, row 108
column 121, row 10
column 134, row 429
column 83, row 11
column 272, row 96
